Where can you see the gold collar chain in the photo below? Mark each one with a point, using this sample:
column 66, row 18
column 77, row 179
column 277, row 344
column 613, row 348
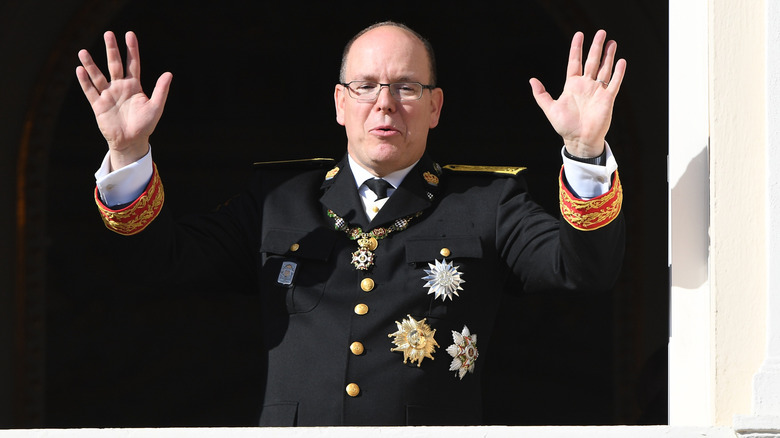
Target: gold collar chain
column 363, row 258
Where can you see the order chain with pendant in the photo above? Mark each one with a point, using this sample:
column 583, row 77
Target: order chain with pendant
column 363, row 258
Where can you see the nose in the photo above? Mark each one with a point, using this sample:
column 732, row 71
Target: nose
column 385, row 100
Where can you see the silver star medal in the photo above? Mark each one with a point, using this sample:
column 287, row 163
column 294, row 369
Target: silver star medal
column 443, row 279
column 464, row 352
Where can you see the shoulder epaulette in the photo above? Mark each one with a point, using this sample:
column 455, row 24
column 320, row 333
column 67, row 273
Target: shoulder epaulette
column 308, row 163
column 502, row 170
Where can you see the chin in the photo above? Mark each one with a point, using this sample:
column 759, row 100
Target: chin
column 385, row 154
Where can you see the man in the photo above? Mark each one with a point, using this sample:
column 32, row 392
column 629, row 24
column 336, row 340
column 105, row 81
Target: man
column 381, row 274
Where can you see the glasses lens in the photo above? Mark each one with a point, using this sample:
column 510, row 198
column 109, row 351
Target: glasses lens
column 363, row 91
column 406, row 90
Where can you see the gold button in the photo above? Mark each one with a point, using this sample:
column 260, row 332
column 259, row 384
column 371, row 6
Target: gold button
column 445, row 252
column 367, row 285
column 353, row 390
column 356, row 348
column 294, row 247
column 361, row 309
column 375, row 209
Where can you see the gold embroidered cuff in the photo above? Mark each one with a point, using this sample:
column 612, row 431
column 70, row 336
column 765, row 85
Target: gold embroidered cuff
column 138, row 215
column 594, row 213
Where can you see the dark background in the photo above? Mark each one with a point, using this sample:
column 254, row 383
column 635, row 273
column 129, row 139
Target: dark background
column 87, row 348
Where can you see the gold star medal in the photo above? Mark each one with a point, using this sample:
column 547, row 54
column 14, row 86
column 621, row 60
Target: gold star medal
column 415, row 339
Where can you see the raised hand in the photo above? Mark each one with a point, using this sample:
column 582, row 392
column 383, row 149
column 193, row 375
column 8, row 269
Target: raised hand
column 125, row 115
column 583, row 112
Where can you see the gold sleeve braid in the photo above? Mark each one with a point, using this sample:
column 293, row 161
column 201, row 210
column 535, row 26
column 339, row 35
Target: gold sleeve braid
column 139, row 214
column 591, row 214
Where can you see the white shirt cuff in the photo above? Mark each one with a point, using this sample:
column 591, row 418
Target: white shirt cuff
column 589, row 180
column 124, row 185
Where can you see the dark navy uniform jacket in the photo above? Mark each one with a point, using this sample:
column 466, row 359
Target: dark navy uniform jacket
column 326, row 337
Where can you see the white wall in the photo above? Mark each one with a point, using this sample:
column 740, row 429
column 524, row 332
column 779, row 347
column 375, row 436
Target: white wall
column 717, row 186
column 737, row 202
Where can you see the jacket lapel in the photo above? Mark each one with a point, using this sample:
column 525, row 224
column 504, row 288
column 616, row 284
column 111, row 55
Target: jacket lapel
column 342, row 197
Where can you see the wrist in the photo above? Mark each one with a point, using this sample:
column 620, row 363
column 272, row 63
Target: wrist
column 585, row 147
column 600, row 160
column 119, row 158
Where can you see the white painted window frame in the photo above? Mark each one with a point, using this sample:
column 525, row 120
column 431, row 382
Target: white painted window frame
column 690, row 374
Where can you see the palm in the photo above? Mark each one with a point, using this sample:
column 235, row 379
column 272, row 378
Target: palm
column 583, row 112
column 123, row 112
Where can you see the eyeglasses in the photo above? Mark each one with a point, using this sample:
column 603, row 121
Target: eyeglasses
column 367, row 91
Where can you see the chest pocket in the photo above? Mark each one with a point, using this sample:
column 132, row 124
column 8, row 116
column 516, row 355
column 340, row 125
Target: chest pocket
column 296, row 266
column 460, row 252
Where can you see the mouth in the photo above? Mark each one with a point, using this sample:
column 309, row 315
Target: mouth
column 384, row 131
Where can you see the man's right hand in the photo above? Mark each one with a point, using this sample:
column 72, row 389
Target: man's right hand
column 125, row 115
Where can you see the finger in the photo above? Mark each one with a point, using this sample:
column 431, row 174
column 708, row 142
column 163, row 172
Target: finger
column 92, row 70
column 87, row 86
column 617, row 77
column 115, row 69
column 594, row 55
column 160, row 92
column 605, row 71
column 133, row 57
column 575, row 56
column 542, row 97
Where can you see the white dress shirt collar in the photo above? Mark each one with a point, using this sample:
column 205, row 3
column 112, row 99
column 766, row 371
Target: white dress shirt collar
column 370, row 204
column 361, row 174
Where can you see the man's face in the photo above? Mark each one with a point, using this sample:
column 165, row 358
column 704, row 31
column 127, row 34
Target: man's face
column 387, row 135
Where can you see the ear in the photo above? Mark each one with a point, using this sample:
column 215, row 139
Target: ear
column 437, row 101
column 339, row 98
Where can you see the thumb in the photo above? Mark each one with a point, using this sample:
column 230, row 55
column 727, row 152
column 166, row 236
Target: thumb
column 160, row 92
column 542, row 97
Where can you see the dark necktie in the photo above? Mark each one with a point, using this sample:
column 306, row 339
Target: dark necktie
column 378, row 186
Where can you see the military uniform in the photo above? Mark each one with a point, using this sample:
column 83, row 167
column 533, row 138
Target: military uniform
column 387, row 322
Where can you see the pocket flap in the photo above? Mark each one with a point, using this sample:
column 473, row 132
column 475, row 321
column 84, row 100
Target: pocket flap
column 314, row 244
column 426, row 250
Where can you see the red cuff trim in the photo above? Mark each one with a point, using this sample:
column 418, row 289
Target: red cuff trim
column 592, row 214
column 138, row 215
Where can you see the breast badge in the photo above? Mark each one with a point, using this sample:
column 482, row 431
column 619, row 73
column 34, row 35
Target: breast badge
column 415, row 339
column 463, row 351
column 443, row 279
column 287, row 273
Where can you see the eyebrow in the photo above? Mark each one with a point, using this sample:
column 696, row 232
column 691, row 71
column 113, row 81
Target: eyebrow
column 372, row 78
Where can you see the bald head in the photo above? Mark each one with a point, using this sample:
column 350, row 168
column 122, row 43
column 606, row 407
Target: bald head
column 425, row 43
